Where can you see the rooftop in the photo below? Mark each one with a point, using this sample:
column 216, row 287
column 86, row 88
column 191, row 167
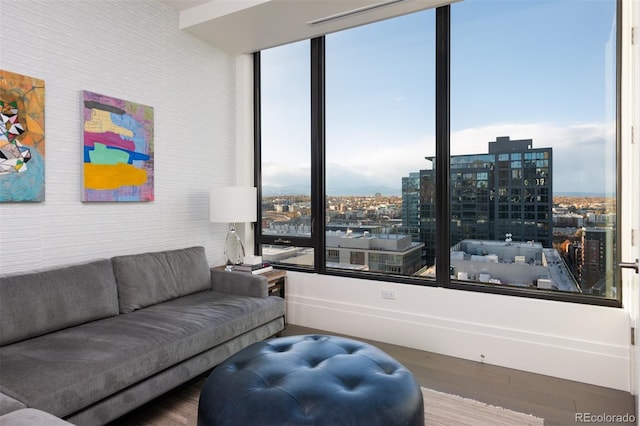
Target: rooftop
column 524, row 264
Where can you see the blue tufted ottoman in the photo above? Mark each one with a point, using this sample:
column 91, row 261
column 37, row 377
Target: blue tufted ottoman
column 311, row 380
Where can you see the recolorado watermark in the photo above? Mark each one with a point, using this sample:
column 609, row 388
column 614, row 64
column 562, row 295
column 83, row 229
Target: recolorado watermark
column 605, row 418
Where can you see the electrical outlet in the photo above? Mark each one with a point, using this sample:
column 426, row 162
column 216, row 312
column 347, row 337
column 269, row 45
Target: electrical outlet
column 388, row 294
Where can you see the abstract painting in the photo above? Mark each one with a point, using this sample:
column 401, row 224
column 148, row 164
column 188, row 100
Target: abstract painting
column 21, row 138
column 118, row 149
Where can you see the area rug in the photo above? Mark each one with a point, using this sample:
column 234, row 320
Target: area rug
column 180, row 408
column 442, row 409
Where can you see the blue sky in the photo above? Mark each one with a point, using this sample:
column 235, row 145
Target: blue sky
column 520, row 68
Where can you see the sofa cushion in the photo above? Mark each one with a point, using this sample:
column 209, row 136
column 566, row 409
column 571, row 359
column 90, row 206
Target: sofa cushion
column 39, row 302
column 149, row 278
column 68, row 370
column 8, row 404
column 31, row 417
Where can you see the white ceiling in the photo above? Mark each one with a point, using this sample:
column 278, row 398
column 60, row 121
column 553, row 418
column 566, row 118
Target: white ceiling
column 245, row 26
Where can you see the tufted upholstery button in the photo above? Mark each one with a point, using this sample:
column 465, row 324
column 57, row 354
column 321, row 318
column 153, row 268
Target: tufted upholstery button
column 311, row 380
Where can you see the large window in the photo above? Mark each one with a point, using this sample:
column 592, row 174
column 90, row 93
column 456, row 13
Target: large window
column 533, row 144
column 472, row 146
column 379, row 127
column 285, row 154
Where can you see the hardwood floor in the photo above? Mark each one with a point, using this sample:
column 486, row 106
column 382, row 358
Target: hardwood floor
column 555, row 400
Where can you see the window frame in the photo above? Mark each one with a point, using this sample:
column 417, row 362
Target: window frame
column 442, row 177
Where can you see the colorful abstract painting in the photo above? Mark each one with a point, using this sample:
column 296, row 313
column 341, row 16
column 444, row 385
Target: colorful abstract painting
column 118, row 149
column 21, row 138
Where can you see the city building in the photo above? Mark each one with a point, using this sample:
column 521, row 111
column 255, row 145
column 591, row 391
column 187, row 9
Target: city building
column 410, row 213
column 597, row 257
column 362, row 248
column 505, row 191
column 387, row 253
column 568, row 220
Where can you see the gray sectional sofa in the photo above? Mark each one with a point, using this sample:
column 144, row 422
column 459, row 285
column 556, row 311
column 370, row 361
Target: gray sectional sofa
column 89, row 342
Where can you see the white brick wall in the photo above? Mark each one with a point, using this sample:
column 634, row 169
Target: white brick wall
column 129, row 49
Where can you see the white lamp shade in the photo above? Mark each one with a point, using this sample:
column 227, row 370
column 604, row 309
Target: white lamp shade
column 233, row 204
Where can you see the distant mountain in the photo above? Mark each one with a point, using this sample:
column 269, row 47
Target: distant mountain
column 582, row 194
column 368, row 190
column 270, row 191
column 364, row 191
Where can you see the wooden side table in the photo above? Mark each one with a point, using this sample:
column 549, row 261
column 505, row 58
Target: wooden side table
column 277, row 280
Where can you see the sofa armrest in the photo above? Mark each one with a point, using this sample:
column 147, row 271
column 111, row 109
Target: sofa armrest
column 240, row 283
column 8, row 404
column 30, row 417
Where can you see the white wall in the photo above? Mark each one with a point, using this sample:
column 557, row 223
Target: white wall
column 567, row 340
column 134, row 51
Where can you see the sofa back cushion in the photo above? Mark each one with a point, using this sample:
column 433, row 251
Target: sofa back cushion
column 150, row 278
column 39, row 302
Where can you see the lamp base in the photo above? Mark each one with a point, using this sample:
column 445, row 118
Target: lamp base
column 233, row 247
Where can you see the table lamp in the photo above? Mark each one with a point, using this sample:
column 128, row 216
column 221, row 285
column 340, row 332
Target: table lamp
column 233, row 204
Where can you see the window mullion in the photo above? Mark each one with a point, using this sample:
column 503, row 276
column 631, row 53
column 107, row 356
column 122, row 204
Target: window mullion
column 442, row 165
column 257, row 145
column 318, row 195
